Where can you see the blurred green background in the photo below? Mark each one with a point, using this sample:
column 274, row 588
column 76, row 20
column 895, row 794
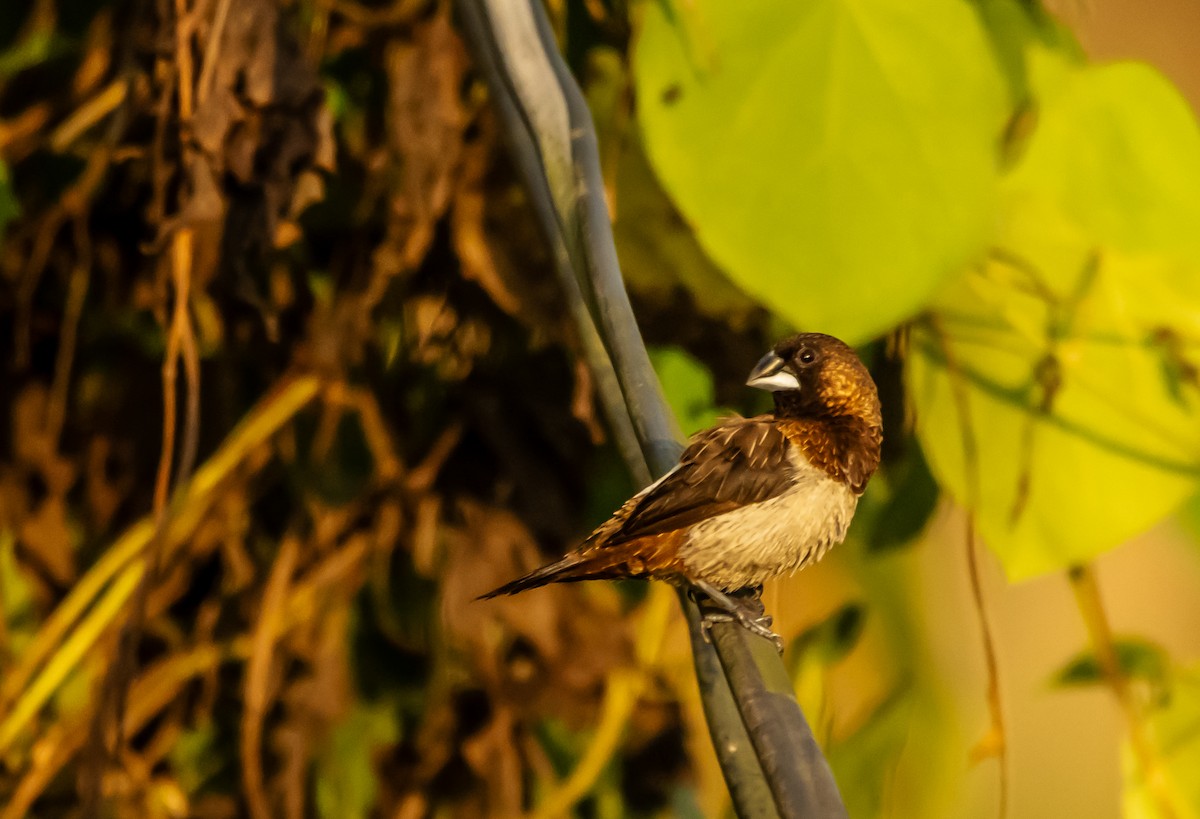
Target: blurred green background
column 286, row 382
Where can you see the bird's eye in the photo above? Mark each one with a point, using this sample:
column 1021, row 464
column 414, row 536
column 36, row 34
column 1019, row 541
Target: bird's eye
column 807, row 356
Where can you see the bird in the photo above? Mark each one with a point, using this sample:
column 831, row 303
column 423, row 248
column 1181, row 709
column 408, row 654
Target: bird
column 751, row 498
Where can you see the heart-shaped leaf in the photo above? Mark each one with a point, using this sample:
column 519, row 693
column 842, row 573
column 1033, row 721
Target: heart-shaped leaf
column 1072, row 351
column 835, row 157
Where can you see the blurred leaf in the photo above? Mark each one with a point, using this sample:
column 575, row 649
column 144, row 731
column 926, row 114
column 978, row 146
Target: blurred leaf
column 815, row 650
column 1190, row 518
column 608, row 486
column 818, row 150
column 830, row 640
column 37, row 48
column 9, row 207
column 1015, row 26
column 15, row 595
column 341, row 472
column 1138, row 659
column 902, row 718
column 907, row 723
column 1175, row 733
column 73, row 696
column 684, row 805
column 688, row 386
column 195, row 758
column 345, row 770
column 1058, row 346
column 898, row 503
column 562, row 745
column 658, row 250
column 337, row 99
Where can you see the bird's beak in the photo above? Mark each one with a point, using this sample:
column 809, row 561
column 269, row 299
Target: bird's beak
column 771, row 374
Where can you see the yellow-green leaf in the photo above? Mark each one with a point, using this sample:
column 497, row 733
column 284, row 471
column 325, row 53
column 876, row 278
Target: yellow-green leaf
column 1173, row 729
column 1073, row 351
column 835, row 157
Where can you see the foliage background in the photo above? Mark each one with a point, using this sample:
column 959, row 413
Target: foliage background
column 287, row 383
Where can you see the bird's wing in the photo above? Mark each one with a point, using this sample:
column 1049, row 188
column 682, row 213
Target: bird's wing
column 738, row 462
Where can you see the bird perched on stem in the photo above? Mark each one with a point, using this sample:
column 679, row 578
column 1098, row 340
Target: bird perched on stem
column 751, row 498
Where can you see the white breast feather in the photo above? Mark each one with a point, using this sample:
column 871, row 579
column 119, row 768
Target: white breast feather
column 747, row 546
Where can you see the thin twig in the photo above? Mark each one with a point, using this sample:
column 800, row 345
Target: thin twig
column 1091, row 608
column 27, row 685
column 161, row 684
column 996, row 741
column 88, row 114
column 255, row 698
column 75, row 202
column 77, row 288
column 181, row 344
column 190, row 354
column 212, row 51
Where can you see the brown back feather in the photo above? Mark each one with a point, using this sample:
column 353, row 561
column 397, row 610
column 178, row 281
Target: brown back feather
column 737, row 462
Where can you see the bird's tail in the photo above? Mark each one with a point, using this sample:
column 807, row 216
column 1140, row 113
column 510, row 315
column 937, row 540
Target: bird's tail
column 571, row 568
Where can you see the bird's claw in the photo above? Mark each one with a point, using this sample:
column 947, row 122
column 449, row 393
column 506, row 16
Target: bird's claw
column 710, row 618
column 755, row 625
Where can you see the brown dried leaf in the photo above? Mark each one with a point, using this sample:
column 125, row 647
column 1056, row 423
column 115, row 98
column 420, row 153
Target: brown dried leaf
column 104, row 494
column 47, row 540
column 493, row 756
column 470, row 239
column 583, row 402
column 548, row 650
column 34, row 446
column 325, row 154
column 263, row 120
column 98, row 53
column 14, row 498
column 444, row 338
column 426, row 122
column 310, row 189
column 317, row 700
column 498, row 243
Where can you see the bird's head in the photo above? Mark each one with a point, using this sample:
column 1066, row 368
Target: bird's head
column 817, row 376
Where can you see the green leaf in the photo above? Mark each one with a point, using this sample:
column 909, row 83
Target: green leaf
column 902, row 721
column 835, row 157
column 32, row 50
column 659, row 252
column 907, row 736
column 899, row 502
column 1137, row 658
column 688, row 387
column 812, row 653
column 1190, row 518
column 9, row 207
column 1174, row 733
column 345, row 770
column 1014, row 26
column 16, row 596
column 195, row 758
column 1073, row 350
column 829, row 640
column 875, row 746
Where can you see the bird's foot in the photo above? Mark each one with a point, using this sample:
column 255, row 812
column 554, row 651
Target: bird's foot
column 755, row 625
column 749, row 614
